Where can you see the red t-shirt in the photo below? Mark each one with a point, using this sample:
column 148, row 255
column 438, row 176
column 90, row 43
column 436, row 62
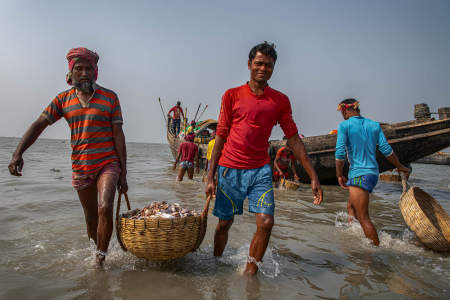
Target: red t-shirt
column 284, row 157
column 246, row 121
column 188, row 151
column 177, row 110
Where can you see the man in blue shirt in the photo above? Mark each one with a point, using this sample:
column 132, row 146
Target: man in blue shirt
column 358, row 138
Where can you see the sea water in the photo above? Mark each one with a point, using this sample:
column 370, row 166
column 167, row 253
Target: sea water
column 314, row 253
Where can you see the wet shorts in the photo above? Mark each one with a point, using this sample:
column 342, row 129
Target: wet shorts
column 366, row 182
column 234, row 185
column 83, row 181
column 185, row 164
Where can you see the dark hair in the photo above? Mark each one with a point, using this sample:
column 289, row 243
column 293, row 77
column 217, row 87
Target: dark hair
column 266, row 49
column 178, row 102
column 350, row 101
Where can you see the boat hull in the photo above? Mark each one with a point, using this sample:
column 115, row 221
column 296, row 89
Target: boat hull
column 410, row 140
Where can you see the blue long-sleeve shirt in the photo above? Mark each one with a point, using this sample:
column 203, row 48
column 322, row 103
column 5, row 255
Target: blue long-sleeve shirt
column 358, row 137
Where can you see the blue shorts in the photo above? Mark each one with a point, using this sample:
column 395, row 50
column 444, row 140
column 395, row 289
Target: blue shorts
column 185, row 164
column 234, row 185
column 366, row 182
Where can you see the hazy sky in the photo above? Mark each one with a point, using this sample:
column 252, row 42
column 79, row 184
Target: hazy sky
column 389, row 54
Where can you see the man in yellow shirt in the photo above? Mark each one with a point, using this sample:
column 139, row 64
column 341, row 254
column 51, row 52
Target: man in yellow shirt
column 210, row 149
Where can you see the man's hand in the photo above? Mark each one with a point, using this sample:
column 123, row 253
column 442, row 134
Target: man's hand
column 210, row 189
column 296, row 177
column 122, row 185
column 317, row 192
column 174, row 165
column 16, row 165
column 343, row 182
column 403, row 169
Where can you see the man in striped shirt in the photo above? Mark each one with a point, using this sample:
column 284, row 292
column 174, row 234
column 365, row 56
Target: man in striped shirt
column 98, row 144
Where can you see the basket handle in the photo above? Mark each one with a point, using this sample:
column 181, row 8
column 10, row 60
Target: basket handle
column 404, row 184
column 206, row 208
column 117, row 218
column 203, row 224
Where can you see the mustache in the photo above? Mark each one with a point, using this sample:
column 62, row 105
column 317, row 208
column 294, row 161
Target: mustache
column 86, row 87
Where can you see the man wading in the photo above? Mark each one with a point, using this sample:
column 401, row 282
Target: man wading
column 98, row 144
column 247, row 115
column 358, row 138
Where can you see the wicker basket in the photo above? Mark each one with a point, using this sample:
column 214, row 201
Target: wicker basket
column 425, row 217
column 160, row 239
column 289, row 184
column 390, row 177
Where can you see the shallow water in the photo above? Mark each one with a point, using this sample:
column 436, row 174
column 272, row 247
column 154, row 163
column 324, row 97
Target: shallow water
column 313, row 252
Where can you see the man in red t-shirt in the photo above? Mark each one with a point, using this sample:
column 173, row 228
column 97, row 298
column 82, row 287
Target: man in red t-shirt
column 176, row 118
column 187, row 152
column 247, row 115
column 283, row 160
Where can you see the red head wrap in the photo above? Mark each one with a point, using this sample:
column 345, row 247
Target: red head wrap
column 81, row 53
column 344, row 107
column 190, row 137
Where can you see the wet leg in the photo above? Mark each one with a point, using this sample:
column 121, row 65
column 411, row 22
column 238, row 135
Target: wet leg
column 221, row 236
column 264, row 224
column 359, row 200
column 350, row 211
column 106, row 185
column 88, row 199
column 181, row 172
column 190, row 172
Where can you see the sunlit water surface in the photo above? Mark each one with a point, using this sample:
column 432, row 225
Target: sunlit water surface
column 313, row 252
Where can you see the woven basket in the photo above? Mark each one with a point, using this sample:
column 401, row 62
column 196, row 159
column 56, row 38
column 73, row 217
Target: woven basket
column 160, row 239
column 390, row 177
column 289, row 184
column 425, row 217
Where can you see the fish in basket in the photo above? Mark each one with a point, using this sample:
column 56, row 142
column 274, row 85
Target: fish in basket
column 425, row 216
column 160, row 231
column 289, row 184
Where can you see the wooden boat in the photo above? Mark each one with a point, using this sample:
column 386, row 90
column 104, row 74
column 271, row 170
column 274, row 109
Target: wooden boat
column 438, row 158
column 410, row 140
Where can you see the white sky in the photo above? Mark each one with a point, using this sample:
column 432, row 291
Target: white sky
column 388, row 54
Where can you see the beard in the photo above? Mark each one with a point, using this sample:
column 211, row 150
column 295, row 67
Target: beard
column 86, row 87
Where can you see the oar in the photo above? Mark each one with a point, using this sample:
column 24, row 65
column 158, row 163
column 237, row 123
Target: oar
column 203, row 111
column 164, row 115
column 197, row 111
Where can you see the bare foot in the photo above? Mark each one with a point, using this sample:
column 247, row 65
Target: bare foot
column 99, row 260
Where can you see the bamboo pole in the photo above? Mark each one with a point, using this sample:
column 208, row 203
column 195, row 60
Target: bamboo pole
column 197, row 111
column 164, row 114
column 203, row 111
column 185, row 118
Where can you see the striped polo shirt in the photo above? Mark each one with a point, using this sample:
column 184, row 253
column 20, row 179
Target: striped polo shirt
column 90, row 125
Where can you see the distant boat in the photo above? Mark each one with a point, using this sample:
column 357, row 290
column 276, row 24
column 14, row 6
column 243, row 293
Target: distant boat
column 410, row 140
column 438, row 158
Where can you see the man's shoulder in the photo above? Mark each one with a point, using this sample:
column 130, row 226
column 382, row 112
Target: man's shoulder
column 372, row 123
column 235, row 90
column 107, row 92
column 278, row 94
column 64, row 94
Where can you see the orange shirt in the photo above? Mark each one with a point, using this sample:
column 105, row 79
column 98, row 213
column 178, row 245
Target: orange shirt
column 284, row 158
column 91, row 126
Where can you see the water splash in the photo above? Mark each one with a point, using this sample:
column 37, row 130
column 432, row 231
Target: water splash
column 269, row 267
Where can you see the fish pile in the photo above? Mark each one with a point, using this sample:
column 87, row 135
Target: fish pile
column 160, row 210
